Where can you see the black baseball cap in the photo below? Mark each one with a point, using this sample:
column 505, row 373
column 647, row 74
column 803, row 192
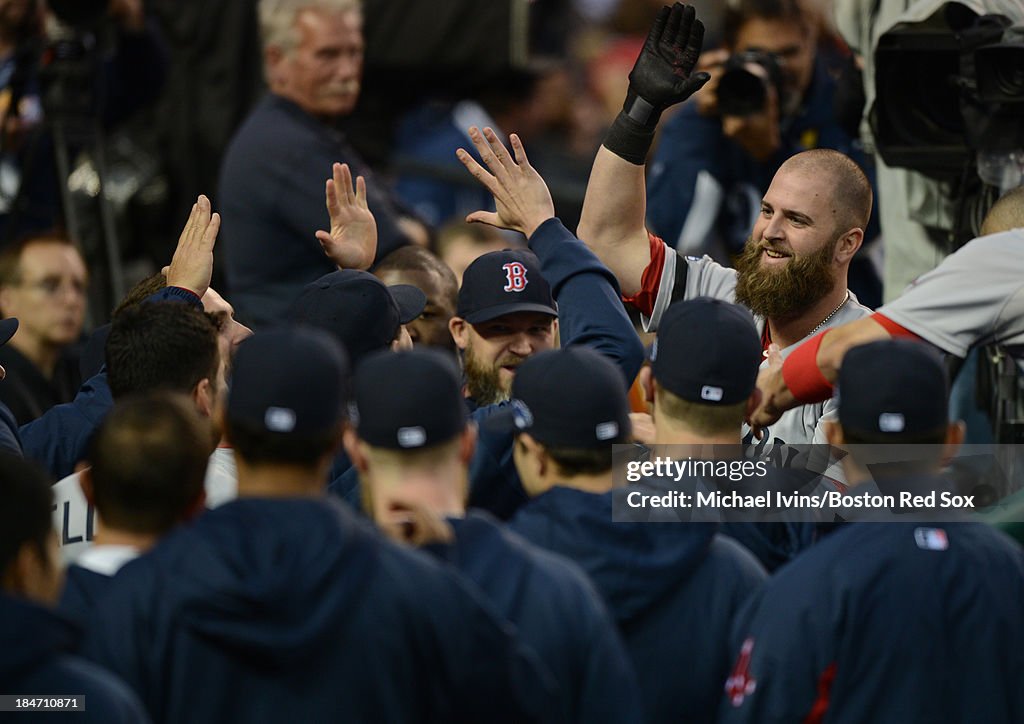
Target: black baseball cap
column 358, row 309
column 892, row 387
column 503, row 282
column 573, row 398
column 408, row 400
column 707, row 351
column 7, row 329
column 289, row 381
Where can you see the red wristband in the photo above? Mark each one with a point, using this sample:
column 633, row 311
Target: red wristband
column 801, row 373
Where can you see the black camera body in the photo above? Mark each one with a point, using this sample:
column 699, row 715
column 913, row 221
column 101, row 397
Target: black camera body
column 744, row 92
column 946, row 89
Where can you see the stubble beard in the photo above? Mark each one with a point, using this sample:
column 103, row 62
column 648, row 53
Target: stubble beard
column 483, row 381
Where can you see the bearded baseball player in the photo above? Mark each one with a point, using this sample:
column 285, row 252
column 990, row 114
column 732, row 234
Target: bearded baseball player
column 792, row 273
column 974, row 297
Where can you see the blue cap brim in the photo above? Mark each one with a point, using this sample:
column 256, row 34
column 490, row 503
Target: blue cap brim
column 7, row 329
column 486, row 315
column 410, row 300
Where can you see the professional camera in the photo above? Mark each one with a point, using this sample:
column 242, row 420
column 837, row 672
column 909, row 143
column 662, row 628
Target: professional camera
column 745, row 83
column 79, row 13
column 950, row 89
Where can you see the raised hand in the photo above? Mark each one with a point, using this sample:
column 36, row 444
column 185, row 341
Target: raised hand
column 664, row 71
column 521, row 197
column 352, row 241
column 415, row 524
column 192, row 264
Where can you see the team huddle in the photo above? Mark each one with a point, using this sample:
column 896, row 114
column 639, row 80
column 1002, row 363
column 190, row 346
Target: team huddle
column 330, row 519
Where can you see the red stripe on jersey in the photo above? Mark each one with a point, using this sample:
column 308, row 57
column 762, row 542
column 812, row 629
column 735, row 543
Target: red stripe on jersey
column 820, row 708
column 650, row 281
column 892, row 328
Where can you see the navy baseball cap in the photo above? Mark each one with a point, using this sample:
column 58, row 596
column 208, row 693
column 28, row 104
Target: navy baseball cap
column 892, row 387
column 408, row 400
column 707, row 351
column 7, row 329
column 504, row 282
column 573, row 398
column 289, row 381
column 358, row 309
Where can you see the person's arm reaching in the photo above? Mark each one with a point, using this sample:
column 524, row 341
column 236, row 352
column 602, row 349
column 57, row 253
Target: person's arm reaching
column 808, row 373
column 612, row 223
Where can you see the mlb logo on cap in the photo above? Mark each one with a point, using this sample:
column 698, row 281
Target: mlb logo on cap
column 931, row 539
column 891, row 422
column 710, row 393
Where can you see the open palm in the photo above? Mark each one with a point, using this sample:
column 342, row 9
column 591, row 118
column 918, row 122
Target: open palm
column 352, row 241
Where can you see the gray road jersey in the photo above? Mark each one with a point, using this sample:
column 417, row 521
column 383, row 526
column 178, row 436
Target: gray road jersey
column 707, row 278
column 974, row 297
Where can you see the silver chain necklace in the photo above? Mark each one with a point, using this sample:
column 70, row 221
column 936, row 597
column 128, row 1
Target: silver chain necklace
column 831, row 314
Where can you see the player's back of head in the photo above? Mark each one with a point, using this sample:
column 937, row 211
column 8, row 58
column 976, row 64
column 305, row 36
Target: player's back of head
column 149, row 462
column 286, row 402
column 25, row 527
column 1007, row 213
column 704, row 364
column 161, row 346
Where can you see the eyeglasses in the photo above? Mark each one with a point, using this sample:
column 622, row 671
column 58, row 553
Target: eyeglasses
column 52, row 286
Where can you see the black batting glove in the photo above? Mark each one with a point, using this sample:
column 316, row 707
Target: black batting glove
column 661, row 77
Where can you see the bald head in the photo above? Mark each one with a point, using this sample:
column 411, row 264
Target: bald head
column 851, row 190
column 1007, row 213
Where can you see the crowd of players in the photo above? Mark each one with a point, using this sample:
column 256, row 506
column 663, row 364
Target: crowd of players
column 331, row 518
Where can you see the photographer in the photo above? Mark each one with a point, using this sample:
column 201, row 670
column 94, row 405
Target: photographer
column 770, row 96
column 79, row 63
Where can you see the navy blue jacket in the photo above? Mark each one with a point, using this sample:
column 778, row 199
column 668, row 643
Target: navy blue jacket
column 590, row 313
column 59, row 438
column 773, row 544
column 673, row 589
column 82, row 589
column 35, row 658
column 558, row 614
column 886, row 622
column 10, row 440
column 271, row 196
column 696, row 163
column 294, row 610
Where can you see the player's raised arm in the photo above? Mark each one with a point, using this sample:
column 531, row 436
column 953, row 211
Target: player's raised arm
column 613, row 210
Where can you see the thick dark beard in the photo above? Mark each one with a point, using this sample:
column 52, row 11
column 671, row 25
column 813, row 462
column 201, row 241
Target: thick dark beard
column 483, row 382
column 783, row 293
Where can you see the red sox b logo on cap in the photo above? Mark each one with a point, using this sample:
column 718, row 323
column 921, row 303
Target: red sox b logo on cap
column 515, row 272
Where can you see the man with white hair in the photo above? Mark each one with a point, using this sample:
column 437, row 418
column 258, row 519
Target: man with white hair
column 272, row 178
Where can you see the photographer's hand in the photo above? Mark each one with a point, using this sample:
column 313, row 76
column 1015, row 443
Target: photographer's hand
column 758, row 133
column 712, row 62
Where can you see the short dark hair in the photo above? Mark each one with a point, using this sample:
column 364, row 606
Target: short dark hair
column 26, row 510
column 738, row 13
column 149, row 462
column 10, row 256
column 141, row 291
column 581, row 461
column 160, row 346
column 256, row 445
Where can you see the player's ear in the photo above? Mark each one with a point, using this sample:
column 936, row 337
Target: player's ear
column 459, row 329
column 354, row 449
column 85, row 482
column 848, row 244
column 647, row 383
